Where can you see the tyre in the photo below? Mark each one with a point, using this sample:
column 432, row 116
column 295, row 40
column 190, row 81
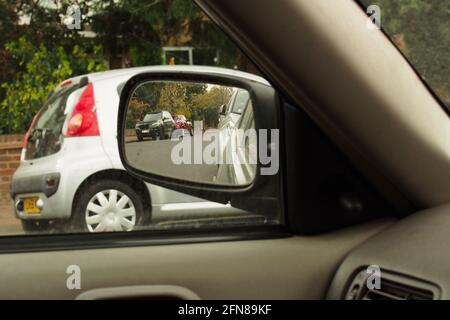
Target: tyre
column 161, row 133
column 169, row 134
column 107, row 205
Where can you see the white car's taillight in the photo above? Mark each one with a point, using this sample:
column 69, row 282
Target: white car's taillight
column 83, row 121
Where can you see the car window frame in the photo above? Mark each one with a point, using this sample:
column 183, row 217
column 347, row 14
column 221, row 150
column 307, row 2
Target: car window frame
column 68, row 241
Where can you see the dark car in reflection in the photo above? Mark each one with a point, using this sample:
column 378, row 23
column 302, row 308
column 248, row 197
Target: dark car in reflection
column 156, row 125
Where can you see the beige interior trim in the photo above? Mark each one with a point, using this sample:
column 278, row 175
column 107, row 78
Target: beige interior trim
column 288, row 268
column 354, row 83
column 139, row 292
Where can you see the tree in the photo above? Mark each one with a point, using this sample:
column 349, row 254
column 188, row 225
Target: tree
column 43, row 69
column 173, row 98
column 196, row 101
column 136, row 110
column 205, row 106
column 42, row 27
column 136, row 30
column 126, row 33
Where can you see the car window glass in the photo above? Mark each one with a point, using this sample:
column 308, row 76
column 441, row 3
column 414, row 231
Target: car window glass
column 45, row 133
column 240, row 102
column 60, row 170
column 152, row 116
column 421, row 31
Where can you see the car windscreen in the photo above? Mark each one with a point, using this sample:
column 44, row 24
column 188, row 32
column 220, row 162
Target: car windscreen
column 420, row 29
column 152, row 117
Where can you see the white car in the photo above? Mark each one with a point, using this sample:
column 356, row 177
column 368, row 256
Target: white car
column 231, row 112
column 71, row 175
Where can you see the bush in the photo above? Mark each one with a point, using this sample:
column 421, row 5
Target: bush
column 41, row 69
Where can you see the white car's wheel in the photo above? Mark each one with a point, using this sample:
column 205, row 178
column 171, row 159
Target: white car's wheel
column 110, row 210
column 108, row 205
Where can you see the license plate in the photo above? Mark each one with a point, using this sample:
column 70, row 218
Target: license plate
column 145, row 131
column 30, row 205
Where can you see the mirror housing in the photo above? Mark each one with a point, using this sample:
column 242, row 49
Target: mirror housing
column 264, row 191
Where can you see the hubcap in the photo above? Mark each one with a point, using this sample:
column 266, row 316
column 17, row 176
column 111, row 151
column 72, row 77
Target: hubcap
column 110, row 210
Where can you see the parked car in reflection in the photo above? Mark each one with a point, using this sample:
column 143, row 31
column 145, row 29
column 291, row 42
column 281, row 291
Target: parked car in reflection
column 156, row 125
column 231, row 112
column 229, row 117
column 182, row 123
column 71, row 177
column 243, row 152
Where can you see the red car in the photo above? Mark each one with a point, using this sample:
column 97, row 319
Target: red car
column 182, row 123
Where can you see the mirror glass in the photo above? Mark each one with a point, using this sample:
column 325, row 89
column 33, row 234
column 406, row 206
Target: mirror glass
column 198, row 132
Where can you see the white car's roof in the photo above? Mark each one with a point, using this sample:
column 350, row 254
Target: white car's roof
column 98, row 76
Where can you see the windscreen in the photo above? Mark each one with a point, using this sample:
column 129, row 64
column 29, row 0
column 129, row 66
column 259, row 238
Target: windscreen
column 152, row 117
column 421, row 31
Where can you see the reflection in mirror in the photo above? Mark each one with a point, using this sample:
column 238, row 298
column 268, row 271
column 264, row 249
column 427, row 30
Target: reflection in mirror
column 196, row 132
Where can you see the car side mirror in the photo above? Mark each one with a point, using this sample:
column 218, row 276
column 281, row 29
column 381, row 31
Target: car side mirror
column 223, row 110
column 240, row 167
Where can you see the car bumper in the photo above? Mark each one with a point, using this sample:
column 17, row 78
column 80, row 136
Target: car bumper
column 42, row 187
column 69, row 168
column 148, row 132
column 45, row 183
column 52, row 207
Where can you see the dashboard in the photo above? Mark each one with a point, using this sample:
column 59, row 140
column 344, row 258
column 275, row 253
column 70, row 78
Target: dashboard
column 412, row 257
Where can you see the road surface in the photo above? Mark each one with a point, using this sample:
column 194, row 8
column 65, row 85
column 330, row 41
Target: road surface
column 154, row 156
